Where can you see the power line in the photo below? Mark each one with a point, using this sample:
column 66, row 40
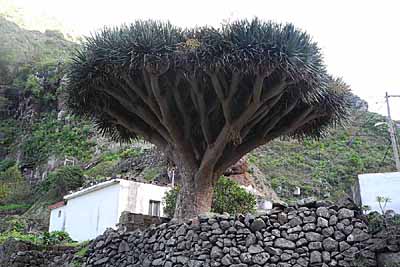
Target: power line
column 392, row 133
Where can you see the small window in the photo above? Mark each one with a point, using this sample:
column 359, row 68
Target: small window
column 59, row 213
column 154, row 208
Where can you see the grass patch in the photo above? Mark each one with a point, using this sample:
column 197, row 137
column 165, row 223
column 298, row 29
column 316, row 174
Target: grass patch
column 18, row 236
column 10, row 207
column 101, row 170
column 84, row 249
column 150, row 174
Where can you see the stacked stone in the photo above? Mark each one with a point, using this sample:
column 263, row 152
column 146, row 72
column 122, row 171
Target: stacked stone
column 294, row 236
column 386, row 244
column 39, row 257
column 132, row 221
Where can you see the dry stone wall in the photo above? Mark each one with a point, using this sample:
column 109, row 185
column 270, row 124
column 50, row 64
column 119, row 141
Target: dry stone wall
column 293, row 236
column 15, row 253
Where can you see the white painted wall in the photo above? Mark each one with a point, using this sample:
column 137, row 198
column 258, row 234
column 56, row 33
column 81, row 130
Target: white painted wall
column 380, row 184
column 57, row 223
column 90, row 214
column 135, row 197
column 264, row 205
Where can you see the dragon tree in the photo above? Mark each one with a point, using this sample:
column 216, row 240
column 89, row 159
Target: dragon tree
column 205, row 96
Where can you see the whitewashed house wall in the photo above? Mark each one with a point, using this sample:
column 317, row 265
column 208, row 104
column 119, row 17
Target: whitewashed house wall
column 135, row 197
column 89, row 212
column 57, row 219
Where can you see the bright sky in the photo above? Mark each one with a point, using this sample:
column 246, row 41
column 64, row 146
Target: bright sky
column 359, row 38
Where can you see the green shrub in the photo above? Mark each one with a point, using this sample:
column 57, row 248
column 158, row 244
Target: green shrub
column 10, row 130
column 231, row 198
column 48, row 136
column 13, row 223
column 122, row 154
column 84, row 249
column 45, row 239
column 62, row 180
column 54, row 238
column 13, row 187
column 169, row 201
column 11, row 174
column 32, row 84
column 6, row 163
column 15, row 234
column 130, row 153
column 82, row 252
column 376, row 222
column 150, row 174
column 103, row 169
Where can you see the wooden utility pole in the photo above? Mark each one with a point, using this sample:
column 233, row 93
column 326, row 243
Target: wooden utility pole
column 392, row 132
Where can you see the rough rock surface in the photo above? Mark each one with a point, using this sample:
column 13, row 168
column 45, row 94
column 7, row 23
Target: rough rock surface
column 20, row 254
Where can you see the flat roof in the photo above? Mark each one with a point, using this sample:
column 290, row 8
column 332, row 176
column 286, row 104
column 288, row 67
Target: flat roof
column 101, row 186
column 92, row 189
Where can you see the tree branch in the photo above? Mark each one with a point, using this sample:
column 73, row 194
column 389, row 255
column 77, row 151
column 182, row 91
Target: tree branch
column 167, row 118
column 140, row 111
column 234, row 86
column 202, row 110
column 219, row 90
column 259, row 115
column 278, row 117
column 233, row 154
column 275, row 90
column 181, row 107
column 257, row 89
column 146, row 98
column 138, row 127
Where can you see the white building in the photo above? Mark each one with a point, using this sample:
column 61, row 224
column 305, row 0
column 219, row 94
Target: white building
column 88, row 213
column 372, row 185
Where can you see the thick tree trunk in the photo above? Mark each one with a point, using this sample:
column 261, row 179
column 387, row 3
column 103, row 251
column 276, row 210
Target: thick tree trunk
column 196, row 193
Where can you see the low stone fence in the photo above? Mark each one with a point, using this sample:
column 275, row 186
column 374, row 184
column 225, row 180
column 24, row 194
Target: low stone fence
column 295, row 236
column 55, row 257
column 386, row 244
column 15, row 253
column 311, row 235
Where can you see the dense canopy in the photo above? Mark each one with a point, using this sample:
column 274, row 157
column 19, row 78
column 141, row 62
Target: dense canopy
column 207, row 96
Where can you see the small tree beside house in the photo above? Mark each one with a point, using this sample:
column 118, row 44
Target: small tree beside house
column 205, row 96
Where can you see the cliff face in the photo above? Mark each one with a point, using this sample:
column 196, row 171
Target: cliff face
column 19, row 47
column 32, row 66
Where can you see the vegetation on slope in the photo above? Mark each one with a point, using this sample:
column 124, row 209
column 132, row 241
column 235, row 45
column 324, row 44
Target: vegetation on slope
column 19, row 48
column 329, row 167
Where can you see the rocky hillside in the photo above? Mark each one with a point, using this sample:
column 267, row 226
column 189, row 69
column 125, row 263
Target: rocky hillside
column 20, row 49
column 327, row 168
column 44, row 152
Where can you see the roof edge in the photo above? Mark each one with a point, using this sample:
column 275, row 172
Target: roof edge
column 91, row 189
column 59, row 204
